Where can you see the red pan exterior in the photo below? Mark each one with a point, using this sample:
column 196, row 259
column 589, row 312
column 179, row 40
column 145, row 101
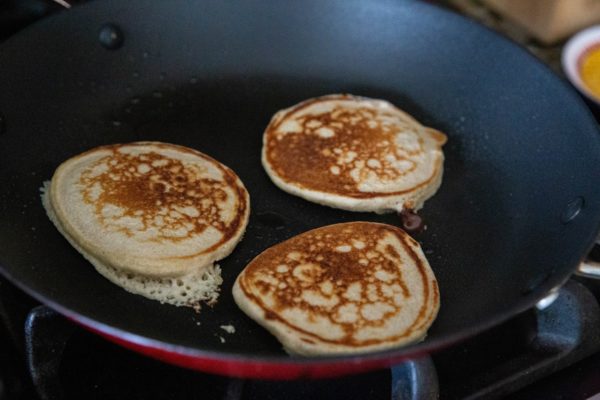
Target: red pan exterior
column 255, row 369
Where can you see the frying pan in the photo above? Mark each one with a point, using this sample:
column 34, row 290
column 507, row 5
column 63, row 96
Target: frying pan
column 518, row 208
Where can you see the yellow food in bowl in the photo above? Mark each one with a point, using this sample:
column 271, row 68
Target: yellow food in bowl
column 589, row 70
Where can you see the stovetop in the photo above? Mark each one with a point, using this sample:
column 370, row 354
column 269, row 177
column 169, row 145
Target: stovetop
column 552, row 353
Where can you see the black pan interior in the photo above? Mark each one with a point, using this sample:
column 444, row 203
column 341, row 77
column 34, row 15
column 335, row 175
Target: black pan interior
column 210, row 74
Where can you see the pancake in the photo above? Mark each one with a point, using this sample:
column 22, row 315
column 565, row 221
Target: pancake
column 353, row 153
column 341, row 289
column 151, row 217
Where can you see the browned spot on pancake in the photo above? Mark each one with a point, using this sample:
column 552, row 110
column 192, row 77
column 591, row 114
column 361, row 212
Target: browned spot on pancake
column 357, row 144
column 271, row 315
column 162, row 194
column 392, row 251
column 330, row 263
column 263, row 287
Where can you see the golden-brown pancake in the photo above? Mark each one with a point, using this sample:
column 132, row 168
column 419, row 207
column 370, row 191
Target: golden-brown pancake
column 340, row 289
column 354, row 153
column 152, row 217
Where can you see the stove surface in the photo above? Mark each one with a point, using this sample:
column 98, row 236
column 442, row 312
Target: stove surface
column 549, row 354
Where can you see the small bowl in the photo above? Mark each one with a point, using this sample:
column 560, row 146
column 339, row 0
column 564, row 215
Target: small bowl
column 572, row 57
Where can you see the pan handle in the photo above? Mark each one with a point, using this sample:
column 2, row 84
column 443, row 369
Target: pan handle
column 589, row 268
column 63, row 3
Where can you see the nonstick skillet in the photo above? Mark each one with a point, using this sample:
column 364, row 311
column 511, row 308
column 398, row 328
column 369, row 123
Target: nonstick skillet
column 518, row 208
